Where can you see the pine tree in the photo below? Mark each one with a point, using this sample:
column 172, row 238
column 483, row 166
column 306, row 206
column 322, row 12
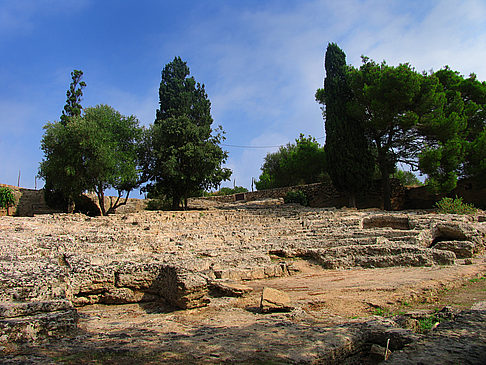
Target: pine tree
column 349, row 160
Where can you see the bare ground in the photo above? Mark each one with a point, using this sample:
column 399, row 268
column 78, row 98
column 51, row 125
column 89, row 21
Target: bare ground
column 231, row 330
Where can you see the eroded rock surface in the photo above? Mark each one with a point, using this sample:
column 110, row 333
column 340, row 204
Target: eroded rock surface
column 51, row 264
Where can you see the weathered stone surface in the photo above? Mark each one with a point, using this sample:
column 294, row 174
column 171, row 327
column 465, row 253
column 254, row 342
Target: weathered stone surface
column 380, row 256
column 173, row 257
column 461, row 341
column 462, row 249
column 229, row 289
column 274, row 300
column 33, row 321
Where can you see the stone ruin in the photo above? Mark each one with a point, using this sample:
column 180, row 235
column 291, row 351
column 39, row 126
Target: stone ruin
column 51, row 265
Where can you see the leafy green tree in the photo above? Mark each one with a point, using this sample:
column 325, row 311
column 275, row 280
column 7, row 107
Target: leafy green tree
column 301, row 163
column 455, row 145
column 62, row 166
column 55, row 198
column 395, row 104
column 407, row 178
column 7, row 198
column 230, row 191
column 109, row 144
column 349, row 160
column 182, row 154
column 75, row 92
column 94, row 152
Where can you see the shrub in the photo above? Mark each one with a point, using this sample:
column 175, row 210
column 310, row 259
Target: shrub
column 296, row 196
column 6, row 197
column 455, row 206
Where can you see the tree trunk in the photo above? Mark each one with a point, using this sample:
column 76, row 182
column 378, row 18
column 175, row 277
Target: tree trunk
column 71, row 205
column 352, row 200
column 101, row 200
column 386, row 190
column 176, row 199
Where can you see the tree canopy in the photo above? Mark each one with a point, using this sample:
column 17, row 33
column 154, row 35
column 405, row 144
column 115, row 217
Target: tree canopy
column 182, row 153
column 301, row 163
column 349, row 160
column 93, row 152
column 455, row 145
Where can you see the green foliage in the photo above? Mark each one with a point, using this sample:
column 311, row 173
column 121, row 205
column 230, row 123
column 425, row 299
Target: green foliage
column 383, row 312
column 181, row 155
column 230, row 191
column 427, row 323
column 295, row 164
column 94, row 152
column 73, row 107
column 296, row 196
column 456, row 142
column 394, row 103
column 7, row 198
column 455, row 206
column 349, row 159
column 407, row 178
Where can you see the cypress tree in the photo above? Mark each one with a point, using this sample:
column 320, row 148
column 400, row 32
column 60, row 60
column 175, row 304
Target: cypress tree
column 349, row 160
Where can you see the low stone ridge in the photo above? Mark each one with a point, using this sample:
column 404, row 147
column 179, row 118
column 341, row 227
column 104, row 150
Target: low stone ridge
column 460, row 341
column 179, row 257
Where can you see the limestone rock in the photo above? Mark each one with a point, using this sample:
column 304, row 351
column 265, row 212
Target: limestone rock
column 274, row 300
column 380, row 256
column 462, row 249
column 229, row 289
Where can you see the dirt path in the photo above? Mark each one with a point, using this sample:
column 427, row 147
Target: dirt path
column 232, row 329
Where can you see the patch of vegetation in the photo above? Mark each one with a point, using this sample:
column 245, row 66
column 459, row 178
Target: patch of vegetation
column 230, row 191
column 455, row 206
column 427, row 323
column 407, row 178
column 296, row 196
column 6, row 197
column 477, row 280
column 383, row 312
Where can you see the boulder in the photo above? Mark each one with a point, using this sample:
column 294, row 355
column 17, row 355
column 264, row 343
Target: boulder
column 274, row 300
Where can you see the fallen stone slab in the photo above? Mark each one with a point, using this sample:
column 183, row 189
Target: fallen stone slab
column 229, row 289
column 274, row 300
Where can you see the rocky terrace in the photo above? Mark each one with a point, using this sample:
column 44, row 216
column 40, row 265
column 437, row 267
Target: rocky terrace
column 51, row 266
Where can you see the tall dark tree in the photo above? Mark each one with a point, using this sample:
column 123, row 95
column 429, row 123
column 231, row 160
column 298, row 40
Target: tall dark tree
column 349, row 160
column 182, row 154
column 73, row 102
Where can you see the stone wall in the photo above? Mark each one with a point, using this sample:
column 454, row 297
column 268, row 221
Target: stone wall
column 324, row 195
column 30, row 201
column 27, row 202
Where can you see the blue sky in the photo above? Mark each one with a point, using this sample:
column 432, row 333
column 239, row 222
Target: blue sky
column 261, row 61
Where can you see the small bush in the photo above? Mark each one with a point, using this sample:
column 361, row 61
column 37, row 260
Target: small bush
column 296, row 196
column 427, row 323
column 6, row 197
column 454, row 206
